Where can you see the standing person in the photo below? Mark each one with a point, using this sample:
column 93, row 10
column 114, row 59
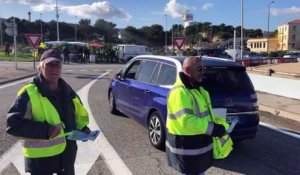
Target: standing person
column 66, row 53
column 44, row 111
column 191, row 124
column 7, row 49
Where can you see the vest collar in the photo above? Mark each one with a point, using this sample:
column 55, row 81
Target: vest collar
column 185, row 80
column 66, row 91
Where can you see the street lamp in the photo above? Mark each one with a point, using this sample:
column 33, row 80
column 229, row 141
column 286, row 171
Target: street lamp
column 242, row 28
column 41, row 23
column 268, row 25
column 57, row 26
column 166, row 35
column 75, row 28
column 1, row 30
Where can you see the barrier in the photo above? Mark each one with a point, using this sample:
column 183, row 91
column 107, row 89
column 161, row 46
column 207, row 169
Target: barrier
column 270, row 60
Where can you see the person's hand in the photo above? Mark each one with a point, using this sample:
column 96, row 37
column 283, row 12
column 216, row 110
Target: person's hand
column 86, row 130
column 54, row 130
column 218, row 130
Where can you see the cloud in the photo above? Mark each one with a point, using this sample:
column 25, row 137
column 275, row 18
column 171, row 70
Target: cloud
column 285, row 11
column 43, row 7
column 207, row 6
column 174, row 9
column 30, row 1
column 97, row 9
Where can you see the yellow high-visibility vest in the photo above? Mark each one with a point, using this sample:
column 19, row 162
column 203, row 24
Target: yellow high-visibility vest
column 44, row 111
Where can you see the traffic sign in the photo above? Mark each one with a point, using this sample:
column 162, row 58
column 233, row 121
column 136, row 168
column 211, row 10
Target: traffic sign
column 33, row 39
column 11, row 32
column 11, row 28
column 179, row 41
column 10, row 24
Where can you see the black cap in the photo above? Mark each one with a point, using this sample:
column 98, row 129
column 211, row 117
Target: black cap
column 51, row 55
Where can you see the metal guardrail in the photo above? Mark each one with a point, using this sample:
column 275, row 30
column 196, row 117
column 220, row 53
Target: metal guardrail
column 270, row 60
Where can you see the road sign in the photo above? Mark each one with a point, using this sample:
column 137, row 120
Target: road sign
column 33, row 39
column 179, row 41
column 9, row 24
column 11, row 29
column 11, row 32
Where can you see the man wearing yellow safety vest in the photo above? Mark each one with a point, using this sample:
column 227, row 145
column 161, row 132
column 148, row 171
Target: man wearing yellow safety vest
column 195, row 136
column 43, row 112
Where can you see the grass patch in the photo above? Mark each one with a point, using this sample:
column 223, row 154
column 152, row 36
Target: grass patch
column 23, row 57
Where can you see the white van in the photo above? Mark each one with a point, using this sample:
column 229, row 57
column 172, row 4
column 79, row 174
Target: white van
column 127, row 51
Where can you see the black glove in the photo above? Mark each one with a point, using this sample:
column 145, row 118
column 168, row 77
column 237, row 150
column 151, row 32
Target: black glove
column 218, row 130
column 86, row 130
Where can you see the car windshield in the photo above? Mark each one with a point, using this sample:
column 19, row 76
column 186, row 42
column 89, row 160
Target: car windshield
column 226, row 80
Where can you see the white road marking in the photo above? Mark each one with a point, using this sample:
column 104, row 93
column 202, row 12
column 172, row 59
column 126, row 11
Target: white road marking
column 88, row 152
column 16, row 82
column 280, row 130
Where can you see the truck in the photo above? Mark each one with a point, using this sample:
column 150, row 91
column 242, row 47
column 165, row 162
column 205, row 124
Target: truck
column 126, row 52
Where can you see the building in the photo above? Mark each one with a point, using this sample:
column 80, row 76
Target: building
column 288, row 39
column 260, row 44
column 289, row 36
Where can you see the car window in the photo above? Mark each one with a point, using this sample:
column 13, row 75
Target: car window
column 146, row 71
column 132, row 71
column 155, row 73
column 167, row 75
column 226, row 80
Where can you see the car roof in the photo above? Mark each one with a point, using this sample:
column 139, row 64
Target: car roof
column 207, row 61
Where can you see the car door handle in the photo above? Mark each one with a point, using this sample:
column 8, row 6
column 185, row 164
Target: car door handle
column 146, row 91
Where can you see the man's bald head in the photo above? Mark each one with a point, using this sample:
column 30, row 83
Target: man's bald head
column 190, row 61
column 192, row 67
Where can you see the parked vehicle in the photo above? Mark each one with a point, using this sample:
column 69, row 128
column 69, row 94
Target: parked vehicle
column 292, row 55
column 140, row 90
column 213, row 53
column 126, row 51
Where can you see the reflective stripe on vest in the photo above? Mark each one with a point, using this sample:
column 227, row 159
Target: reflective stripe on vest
column 43, row 144
column 192, row 107
column 189, row 152
column 43, row 148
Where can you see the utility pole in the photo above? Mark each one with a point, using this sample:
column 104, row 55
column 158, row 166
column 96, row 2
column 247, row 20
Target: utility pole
column 57, row 26
column 15, row 42
column 1, row 30
column 166, row 35
column 234, row 45
column 268, row 25
column 75, row 28
column 41, row 23
column 242, row 28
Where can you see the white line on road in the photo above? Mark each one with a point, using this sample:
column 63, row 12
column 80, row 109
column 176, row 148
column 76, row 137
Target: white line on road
column 295, row 135
column 88, row 152
column 14, row 83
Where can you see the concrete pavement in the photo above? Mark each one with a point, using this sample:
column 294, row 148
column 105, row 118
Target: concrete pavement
column 277, row 105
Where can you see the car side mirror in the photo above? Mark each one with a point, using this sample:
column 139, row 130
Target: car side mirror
column 119, row 76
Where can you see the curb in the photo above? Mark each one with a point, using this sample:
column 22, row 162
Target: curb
column 16, row 78
column 280, row 113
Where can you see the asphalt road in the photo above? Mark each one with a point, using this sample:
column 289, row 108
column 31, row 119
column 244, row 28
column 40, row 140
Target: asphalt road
column 270, row 152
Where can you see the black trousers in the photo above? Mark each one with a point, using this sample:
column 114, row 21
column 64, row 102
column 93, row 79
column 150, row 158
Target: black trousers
column 70, row 171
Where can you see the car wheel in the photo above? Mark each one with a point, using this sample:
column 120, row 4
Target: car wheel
column 156, row 131
column 112, row 103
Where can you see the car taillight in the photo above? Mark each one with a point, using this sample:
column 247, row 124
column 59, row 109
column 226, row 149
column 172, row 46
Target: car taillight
column 256, row 104
column 253, row 96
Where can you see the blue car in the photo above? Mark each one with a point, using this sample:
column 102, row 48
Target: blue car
column 141, row 87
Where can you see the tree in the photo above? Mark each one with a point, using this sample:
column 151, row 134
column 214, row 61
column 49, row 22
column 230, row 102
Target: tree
column 106, row 29
column 84, row 25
